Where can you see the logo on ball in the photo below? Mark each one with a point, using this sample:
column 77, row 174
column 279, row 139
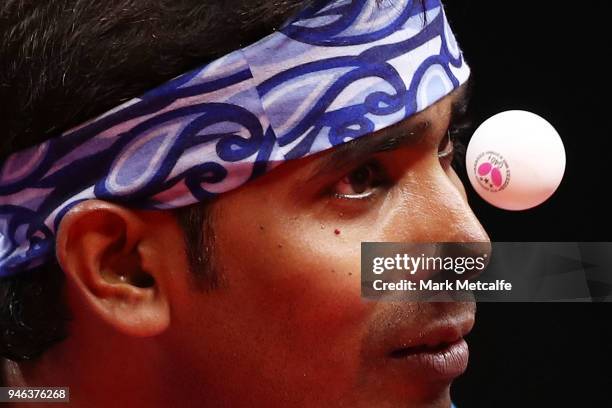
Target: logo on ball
column 492, row 171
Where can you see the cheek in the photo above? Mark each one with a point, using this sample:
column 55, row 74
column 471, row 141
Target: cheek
column 297, row 287
column 301, row 275
column 313, row 273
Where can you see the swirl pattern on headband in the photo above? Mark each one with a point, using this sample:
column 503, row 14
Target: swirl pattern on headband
column 338, row 71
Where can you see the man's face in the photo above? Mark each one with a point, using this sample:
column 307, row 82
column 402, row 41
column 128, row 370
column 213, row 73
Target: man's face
column 287, row 325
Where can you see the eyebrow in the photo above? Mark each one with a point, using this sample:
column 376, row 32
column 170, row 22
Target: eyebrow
column 388, row 139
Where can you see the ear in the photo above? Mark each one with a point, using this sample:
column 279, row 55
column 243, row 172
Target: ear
column 105, row 251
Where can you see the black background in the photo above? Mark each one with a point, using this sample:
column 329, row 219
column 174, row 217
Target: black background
column 551, row 58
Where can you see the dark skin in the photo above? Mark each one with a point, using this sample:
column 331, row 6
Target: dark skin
column 287, row 326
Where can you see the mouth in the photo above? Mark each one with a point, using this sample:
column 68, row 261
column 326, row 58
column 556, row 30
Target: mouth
column 442, row 362
column 439, row 354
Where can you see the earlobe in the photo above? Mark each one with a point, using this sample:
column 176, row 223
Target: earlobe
column 100, row 247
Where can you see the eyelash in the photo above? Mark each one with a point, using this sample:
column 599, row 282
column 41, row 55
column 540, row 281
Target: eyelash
column 449, row 147
column 457, row 132
column 379, row 177
column 361, row 198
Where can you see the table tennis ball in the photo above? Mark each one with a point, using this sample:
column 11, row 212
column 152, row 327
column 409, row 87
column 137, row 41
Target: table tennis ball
column 515, row 160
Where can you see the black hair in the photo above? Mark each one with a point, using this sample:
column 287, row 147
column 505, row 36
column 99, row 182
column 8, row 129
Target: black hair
column 65, row 61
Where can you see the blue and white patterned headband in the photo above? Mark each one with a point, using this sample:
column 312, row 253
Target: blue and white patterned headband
column 338, row 71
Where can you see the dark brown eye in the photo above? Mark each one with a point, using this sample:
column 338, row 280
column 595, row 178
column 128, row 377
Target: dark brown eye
column 359, row 183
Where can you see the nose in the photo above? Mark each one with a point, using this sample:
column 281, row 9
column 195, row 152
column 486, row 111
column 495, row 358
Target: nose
column 440, row 210
column 433, row 208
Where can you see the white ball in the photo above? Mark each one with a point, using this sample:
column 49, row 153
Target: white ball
column 515, row 160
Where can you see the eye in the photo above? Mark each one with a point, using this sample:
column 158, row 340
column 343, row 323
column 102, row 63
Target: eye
column 360, row 183
column 447, row 147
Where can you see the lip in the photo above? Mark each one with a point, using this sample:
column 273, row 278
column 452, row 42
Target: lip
column 439, row 353
column 443, row 362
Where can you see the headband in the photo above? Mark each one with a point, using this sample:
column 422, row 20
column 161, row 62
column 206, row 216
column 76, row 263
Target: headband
column 339, row 70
